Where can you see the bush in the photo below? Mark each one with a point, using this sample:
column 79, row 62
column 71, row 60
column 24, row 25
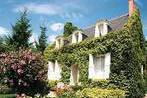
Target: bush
column 52, row 84
column 100, row 93
column 7, row 96
column 24, row 71
column 68, row 94
column 4, row 89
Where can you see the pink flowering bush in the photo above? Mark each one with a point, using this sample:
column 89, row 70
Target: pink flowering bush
column 24, row 71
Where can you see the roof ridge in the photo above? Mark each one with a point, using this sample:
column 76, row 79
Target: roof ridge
column 118, row 17
column 89, row 26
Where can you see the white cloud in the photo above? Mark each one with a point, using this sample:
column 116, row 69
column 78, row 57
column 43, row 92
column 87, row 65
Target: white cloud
column 33, row 38
column 3, row 30
column 57, row 26
column 53, row 9
column 48, row 9
column 71, row 16
column 51, row 38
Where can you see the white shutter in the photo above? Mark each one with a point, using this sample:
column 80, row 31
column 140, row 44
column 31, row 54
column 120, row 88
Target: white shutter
column 97, row 31
column 107, row 65
column 51, row 69
column 57, row 70
column 57, row 44
column 73, row 38
column 91, row 72
column 105, row 29
column 80, row 37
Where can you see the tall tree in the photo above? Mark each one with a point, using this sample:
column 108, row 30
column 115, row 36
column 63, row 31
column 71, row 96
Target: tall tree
column 21, row 32
column 68, row 29
column 42, row 40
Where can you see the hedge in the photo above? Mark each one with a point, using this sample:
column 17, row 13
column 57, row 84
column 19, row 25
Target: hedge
column 94, row 93
column 127, row 56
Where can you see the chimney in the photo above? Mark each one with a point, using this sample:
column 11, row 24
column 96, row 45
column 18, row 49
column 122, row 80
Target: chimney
column 132, row 7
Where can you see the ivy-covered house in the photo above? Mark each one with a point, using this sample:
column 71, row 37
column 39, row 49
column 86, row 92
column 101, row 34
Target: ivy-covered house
column 110, row 49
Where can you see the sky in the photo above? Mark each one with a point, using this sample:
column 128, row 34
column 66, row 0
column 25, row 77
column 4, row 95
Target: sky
column 55, row 13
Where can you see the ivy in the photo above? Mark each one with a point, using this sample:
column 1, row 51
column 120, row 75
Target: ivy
column 127, row 55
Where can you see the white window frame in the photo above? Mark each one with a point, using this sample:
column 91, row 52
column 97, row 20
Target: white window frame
column 101, row 25
column 103, row 71
column 77, row 37
column 59, row 42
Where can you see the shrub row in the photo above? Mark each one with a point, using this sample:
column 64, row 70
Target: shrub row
column 94, row 93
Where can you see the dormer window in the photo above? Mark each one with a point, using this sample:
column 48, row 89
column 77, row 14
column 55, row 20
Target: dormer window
column 77, row 37
column 59, row 42
column 101, row 29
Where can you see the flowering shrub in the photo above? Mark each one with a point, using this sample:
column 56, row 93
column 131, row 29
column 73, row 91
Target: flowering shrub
column 23, row 70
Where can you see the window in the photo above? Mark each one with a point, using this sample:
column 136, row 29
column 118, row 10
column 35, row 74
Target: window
column 54, row 70
column 74, row 75
column 101, row 29
column 77, row 36
column 99, row 63
column 59, row 43
column 99, row 66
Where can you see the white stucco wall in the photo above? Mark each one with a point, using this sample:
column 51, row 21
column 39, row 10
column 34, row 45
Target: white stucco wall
column 54, row 70
column 97, row 74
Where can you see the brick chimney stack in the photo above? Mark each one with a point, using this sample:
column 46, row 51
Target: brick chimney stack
column 132, row 7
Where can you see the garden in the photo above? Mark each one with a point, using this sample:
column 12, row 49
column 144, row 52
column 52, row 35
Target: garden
column 23, row 65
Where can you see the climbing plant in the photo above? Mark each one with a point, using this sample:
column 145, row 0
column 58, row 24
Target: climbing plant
column 127, row 56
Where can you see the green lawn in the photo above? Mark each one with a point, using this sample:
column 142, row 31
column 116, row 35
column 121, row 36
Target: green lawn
column 7, row 95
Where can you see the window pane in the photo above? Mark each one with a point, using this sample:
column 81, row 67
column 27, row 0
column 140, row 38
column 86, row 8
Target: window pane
column 102, row 63
column 100, row 29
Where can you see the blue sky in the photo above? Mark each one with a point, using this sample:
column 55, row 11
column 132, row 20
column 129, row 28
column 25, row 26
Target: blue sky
column 54, row 13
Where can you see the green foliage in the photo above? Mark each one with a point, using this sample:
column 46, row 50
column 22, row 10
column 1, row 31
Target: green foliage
column 21, row 32
column 4, row 89
column 100, row 93
column 68, row 94
column 68, row 29
column 52, row 84
column 93, row 93
column 101, row 84
column 4, row 47
column 42, row 41
column 127, row 55
column 7, row 96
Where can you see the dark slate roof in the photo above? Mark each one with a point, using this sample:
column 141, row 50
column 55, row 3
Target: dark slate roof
column 114, row 24
column 90, row 31
column 119, row 22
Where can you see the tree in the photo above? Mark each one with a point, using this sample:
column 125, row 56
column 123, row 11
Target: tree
column 24, row 71
column 21, row 32
column 4, row 47
column 42, row 40
column 68, row 29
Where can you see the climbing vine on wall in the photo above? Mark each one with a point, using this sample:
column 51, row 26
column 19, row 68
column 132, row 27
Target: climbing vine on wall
column 127, row 56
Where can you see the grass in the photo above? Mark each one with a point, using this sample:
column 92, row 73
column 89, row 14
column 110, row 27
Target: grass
column 7, row 96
